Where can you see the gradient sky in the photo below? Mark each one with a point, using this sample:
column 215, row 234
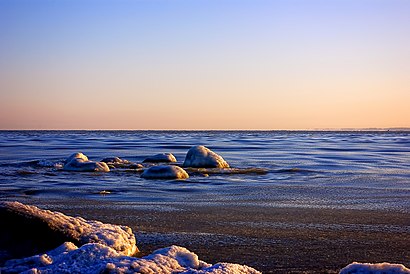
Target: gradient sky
column 204, row 64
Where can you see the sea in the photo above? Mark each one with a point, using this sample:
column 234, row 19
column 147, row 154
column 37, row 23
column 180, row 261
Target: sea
column 368, row 170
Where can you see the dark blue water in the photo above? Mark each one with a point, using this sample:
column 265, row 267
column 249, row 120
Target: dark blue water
column 357, row 170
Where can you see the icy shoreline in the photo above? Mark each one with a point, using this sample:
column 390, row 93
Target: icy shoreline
column 104, row 248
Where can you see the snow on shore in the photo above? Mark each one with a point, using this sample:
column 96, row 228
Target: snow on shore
column 380, row 268
column 97, row 258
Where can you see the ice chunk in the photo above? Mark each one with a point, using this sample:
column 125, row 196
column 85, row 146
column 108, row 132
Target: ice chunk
column 200, row 156
column 20, row 265
column 164, row 172
column 50, row 229
column 385, row 268
column 97, row 258
column 80, row 162
column 161, row 158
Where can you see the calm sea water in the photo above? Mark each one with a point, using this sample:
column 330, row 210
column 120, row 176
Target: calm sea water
column 357, row 170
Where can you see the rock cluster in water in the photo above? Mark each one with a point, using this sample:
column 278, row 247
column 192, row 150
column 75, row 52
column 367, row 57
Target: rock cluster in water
column 198, row 157
column 199, row 161
column 82, row 246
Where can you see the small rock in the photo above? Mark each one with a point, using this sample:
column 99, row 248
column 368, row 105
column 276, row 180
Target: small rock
column 135, row 166
column 165, row 172
column 115, row 160
column 161, row 158
column 200, row 156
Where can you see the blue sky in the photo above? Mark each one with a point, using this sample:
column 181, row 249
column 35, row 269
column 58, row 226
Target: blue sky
column 227, row 64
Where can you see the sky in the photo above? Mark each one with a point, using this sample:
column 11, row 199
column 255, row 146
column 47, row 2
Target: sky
column 204, row 64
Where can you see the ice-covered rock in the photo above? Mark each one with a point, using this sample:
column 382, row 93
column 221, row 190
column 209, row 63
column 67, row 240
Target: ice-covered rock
column 79, row 165
column 164, row 172
column 80, row 162
column 29, row 230
column 161, row 158
column 378, row 268
column 97, row 258
column 200, row 156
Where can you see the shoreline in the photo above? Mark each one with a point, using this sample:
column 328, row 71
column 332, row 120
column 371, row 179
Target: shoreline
column 272, row 240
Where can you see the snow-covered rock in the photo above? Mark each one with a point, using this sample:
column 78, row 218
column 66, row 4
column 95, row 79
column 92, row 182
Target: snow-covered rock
column 80, row 162
column 48, row 228
column 378, row 268
column 161, row 158
column 164, row 172
column 200, row 156
column 77, row 155
column 97, row 258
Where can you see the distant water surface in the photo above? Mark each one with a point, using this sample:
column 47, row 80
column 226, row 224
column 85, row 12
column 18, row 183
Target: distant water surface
column 307, row 169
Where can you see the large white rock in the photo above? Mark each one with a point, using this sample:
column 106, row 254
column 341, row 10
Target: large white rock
column 59, row 228
column 80, row 162
column 200, row 156
column 165, row 172
column 385, row 268
column 97, row 258
column 161, row 158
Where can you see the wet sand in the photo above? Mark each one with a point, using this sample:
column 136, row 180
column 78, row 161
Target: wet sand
column 273, row 240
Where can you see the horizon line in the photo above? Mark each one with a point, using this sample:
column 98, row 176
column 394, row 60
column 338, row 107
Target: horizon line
column 308, row 129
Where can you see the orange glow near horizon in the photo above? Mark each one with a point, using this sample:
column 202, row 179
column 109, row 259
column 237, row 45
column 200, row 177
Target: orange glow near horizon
column 256, row 65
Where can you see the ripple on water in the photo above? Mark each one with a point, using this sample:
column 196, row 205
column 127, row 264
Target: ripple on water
column 306, row 169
